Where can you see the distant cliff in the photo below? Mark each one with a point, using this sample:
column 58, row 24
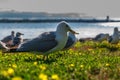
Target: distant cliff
column 35, row 15
column 13, row 16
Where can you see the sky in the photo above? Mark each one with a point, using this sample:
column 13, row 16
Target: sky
column 95, row 8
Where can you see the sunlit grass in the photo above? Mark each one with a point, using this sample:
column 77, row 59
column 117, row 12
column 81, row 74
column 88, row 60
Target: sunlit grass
column 85, row 61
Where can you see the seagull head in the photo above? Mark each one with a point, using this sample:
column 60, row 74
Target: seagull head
column 64, row 26
column 12, row 33
column 115, row 29
column 18, row 34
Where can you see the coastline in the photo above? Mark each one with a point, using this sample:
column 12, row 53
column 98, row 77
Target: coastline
column 56, row 20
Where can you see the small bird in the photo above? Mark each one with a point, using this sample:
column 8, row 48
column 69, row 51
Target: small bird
column 114, row 39
column 8, row 40
column 101, row 37
column 18, row 39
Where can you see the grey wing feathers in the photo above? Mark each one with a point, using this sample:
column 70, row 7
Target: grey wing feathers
column 47, row 35
column 98, row 36
column 69, row 43
column 42, row 43
column 6, row 39
column 71, row 40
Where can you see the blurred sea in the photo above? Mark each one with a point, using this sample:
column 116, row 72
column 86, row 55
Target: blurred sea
column 32, row 30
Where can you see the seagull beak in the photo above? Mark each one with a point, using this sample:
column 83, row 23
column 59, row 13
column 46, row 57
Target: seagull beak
column 73, row 32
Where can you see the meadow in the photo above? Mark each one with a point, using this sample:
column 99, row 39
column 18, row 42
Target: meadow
column 84, row 61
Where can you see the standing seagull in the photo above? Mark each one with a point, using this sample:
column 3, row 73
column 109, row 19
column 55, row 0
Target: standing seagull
column 101, row 37
column 114, row 39
column 8, row 40
column 49, row 42
column 18, row 39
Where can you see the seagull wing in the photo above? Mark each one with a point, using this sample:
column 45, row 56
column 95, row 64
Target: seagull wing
column 98, row 36
column 71, row 40
column 6, row 39
column 42, row 43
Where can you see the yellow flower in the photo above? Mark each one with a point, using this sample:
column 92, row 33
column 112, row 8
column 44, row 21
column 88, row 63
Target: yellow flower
column 71, row 65
column 107, row 64
column 92, row 52
column 38, row 56
column 35, row 63
column 14, row 66
column 17, row 78
column 80, row 53
column 9, row 65
column 70, row 50
column 81, row 66
column 119, row 69
column 43, row 76
column 4, row 73
column 55, row 77
column 10, row 71
column 42, row 67
column 90, row 49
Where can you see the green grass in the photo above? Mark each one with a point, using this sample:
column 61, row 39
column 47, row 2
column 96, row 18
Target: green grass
column 84, row 61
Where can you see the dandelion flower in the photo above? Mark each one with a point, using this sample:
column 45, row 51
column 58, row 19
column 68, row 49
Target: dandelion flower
column 9, row 65
column 43, row 76
column 81, row 66
column 80, row 53
column 14, row 66
column 55, row 77
column 119, row 69
column 107, row 64
column 38, row 57
column 17, row 78
column 71, row 65
column 42, row 67
column 10, row 71
column 71, row 50
column 35, row 63
column 5, row 73
column 90, row 49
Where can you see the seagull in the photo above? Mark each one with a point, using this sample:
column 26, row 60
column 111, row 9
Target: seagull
column 9, row 39
column 100, row 37
column 48, row 42
column 114, row 39
column 18, row 39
